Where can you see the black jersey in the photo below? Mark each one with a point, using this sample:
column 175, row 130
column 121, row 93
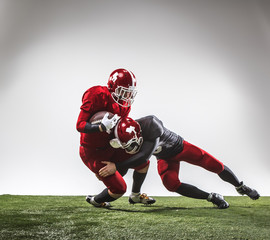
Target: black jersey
column 170, row 144
column 157, row 140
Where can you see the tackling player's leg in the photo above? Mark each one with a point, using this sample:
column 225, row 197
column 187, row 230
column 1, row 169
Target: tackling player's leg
column 228, row 176
column 218, row 200
column 199, row 157
column 139, row 175
column 245, row 190
column 169, row 171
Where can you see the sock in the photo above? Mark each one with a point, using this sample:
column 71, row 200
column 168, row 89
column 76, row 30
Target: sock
column 188, row 190
column 104, row 196
column 138, row 179
column 228, row 176
column 135, row 193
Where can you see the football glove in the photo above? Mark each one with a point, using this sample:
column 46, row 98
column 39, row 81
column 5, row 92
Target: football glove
column 107, row 124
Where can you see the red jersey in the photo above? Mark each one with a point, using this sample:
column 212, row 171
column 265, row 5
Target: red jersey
column 94, row 100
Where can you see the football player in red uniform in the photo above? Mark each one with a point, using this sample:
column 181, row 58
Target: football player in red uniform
column 116, row 98
column 170, row 149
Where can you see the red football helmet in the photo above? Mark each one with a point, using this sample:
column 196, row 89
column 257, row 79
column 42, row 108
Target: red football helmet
column 129, row 134
column 122, row 85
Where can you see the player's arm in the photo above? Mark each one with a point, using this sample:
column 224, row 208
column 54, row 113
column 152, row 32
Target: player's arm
column 86, row 127
column 92, row 101
column 147, row 149
column 136, row 160
column 83, row 125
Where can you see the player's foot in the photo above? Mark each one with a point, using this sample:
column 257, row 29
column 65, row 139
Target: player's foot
column 218, row 200
column 243, row 189
column 141, row 198
column 90, row 199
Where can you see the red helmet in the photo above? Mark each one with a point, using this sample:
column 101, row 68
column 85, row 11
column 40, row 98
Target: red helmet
column 129, row 134
column 122, row 85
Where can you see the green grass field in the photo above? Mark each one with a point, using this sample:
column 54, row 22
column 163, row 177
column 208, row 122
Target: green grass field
column 71, row 217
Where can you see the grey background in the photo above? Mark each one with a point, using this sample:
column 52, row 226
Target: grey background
column 202, row 67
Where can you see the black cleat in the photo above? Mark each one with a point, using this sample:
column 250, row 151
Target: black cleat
column 90, row 199
column 245, row 190
column 218, row 200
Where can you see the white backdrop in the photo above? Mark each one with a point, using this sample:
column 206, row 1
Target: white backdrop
column 202, row 67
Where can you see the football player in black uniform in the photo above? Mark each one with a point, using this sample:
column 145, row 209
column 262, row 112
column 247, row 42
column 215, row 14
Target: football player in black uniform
column 151, row 137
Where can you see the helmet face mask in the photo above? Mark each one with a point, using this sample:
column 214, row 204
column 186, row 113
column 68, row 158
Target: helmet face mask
column 133, row 146
column 122, row 85
column 124, row 96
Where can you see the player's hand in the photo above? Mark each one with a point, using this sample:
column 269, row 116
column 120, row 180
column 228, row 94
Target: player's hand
column 109, row 123
column 98, row 177
column 107, row 170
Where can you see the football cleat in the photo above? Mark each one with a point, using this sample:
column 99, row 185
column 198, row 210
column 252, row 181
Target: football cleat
column 90, row 199
column 218, row 200
column 243, row 189
column 141, row 198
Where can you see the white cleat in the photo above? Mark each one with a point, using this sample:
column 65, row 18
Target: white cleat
column 90, row 199
column 141, row 198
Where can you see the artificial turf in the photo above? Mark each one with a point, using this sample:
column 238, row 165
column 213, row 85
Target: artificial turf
column 71, row 217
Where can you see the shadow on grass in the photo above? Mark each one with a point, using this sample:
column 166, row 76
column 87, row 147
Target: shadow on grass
column 161, row 209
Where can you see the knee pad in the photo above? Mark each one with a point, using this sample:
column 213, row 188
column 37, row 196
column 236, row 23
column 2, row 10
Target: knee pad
column 170, row 181
column 162, row 167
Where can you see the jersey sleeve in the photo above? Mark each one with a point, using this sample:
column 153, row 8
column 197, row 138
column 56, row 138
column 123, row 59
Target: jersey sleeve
column 93, row 100
column 151, row 126
column 157, row 126
column 82, row 120
column 83, row 125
